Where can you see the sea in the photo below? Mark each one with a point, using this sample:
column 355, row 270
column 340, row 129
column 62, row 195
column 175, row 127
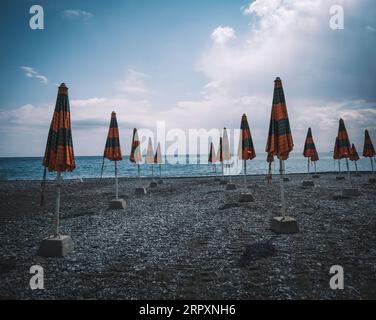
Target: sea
column 30, row 168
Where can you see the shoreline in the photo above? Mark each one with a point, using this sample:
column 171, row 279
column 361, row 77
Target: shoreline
column 275, row 175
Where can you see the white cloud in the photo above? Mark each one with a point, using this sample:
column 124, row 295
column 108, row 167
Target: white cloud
column 221, row 35
column 77, row 14
column 31, row 73
column 134, row 83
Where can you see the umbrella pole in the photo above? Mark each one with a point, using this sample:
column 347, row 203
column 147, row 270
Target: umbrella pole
column 356, row 166
column 57, row 205
column 223, row 173
column 314, row 164
column 281, row 170
column 339, row 165
column 152, row 172
column 245, row 173
column 348, row 170
column 372, row 165
column 160, row 171
column 215, row 169
column 116, row 182
column 229, row 171
column 102, row 168
column 139, row 172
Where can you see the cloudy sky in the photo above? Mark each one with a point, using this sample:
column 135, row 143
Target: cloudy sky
column 193, row 64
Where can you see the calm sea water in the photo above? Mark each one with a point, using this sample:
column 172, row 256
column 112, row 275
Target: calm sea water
column 183, row 166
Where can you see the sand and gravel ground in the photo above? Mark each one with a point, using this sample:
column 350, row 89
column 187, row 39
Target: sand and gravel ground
column 190, row 239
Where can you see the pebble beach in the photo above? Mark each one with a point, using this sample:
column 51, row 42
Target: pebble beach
column 190, row 238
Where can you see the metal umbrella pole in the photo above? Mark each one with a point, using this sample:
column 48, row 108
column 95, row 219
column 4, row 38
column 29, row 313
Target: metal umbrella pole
column 281, row 171
column 116, row 182
column 160, row 171
column 314, row 163
column 348, row 170
column 372, row 165
column 57, row 206
column 139, row 172
column 245, row 174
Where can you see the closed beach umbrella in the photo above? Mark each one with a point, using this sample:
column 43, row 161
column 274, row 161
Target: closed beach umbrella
column 344, row 146
column 309, row 147
column 112, row 149
column 220, row 154
column 59, row 155
column 247, row 151
column 149, row 159
column 280, row 142
column 226, row 153
column 354, row 156
column 369, row 150
column 135, row 156
column 158, row 159
column 336, row 154
column 212, row 157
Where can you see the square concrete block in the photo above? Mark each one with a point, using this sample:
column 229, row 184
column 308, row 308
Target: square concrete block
column 246, row 197
column 372, row 180
column 286, row 225
column 140, row 191
column 357, row 174
column 286, row 179
column 160, row 181
column 56, row 247
column 223, row 182
column 351, row 192
column 340, row 196
column 118, row 204
column 153, row 185
column 217, row 179
column 308, row 183
column 340, row 178
column 231, row 186
column 315, row 176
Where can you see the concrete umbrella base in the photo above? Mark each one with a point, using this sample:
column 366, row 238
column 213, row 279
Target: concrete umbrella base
column 372, row 180
column 340, row 178
column 246, row 197
column 153, row 185
column 285, row 179
column 56, row 247
column 231, row 186
column 140, row 191
column 308, row 183
column 217, row 179
column 351, row 192
column 315, row 176
column 160, row 181
column 223, row 182
column 285, row 225
column 118, row 204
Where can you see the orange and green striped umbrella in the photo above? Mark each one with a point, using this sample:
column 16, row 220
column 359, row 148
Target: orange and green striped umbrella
column 315, row 157
column 369, row 150
column 135, row 155
column 247, row 151
column 280, row 142
column 112, row 150
column 59, row 155
column 343, row 143
column 354, row 154
column 309, row 146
